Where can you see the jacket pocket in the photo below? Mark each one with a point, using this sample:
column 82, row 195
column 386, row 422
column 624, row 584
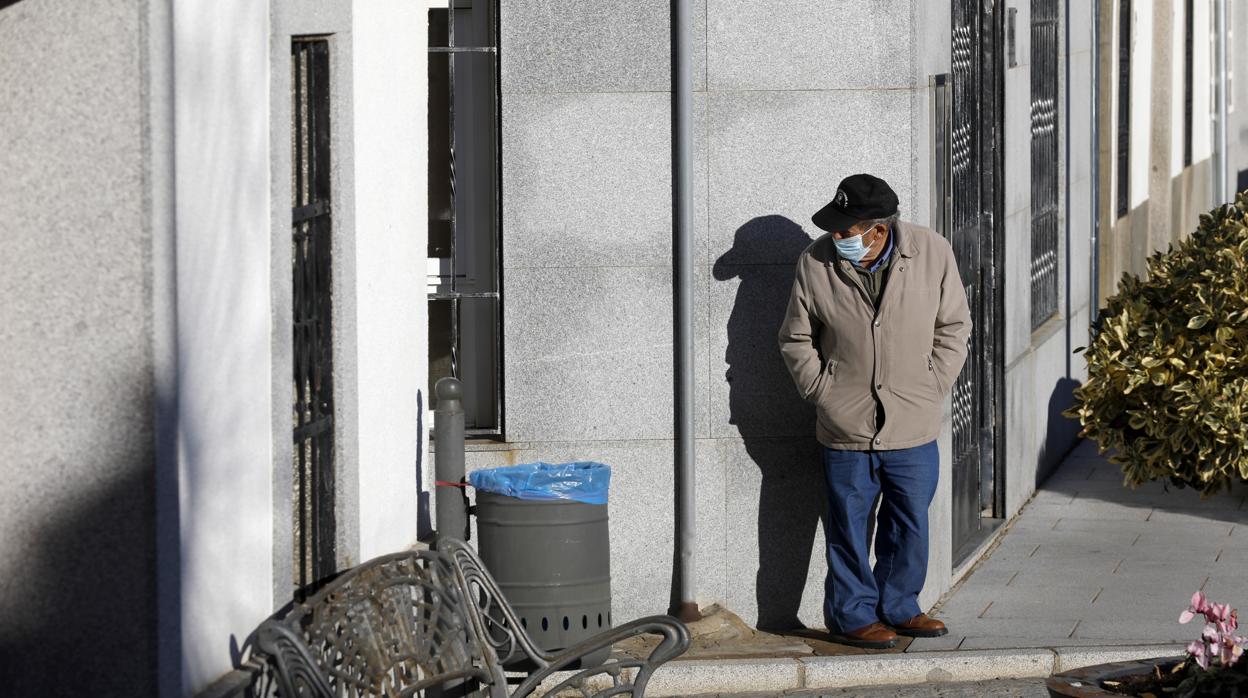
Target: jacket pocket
column 826, row 376
column 932, row 380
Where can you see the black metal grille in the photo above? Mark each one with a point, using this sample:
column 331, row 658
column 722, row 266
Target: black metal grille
column 1188, row 32
column 314, row 553
column 1124, row 106
column 464, row 206
column 972, row 164
column 1044, row 160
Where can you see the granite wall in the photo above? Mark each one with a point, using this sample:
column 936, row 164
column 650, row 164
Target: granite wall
column 785, row 107
column 77, row 558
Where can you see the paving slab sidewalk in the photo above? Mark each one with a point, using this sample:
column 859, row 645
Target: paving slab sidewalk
column 1090, row 571
column 1089, row 562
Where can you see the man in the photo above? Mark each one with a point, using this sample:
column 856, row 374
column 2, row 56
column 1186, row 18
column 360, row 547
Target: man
column 875, row 335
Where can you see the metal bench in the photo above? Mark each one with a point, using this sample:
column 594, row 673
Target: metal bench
column 434, row 622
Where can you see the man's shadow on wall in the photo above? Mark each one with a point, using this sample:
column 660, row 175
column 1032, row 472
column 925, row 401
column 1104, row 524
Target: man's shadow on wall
column 777, row 426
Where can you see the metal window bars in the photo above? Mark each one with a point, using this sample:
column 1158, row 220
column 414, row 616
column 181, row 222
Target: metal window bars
column 1044, row 161
column 1188, row 40
column 464, row 206
column 312, row 313
column 1124, row 107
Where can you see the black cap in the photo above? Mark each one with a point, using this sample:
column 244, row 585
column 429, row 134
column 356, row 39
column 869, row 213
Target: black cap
column 860, row 197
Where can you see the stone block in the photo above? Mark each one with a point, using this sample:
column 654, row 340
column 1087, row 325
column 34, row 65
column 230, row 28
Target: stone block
column 989, row 576
column 1046, row 496
column 693, row 676
column 944, row 643
column 1098, row 511
column 1035, row 606
column 588, row 179
column 981, row 642
column 1060, row 538
column 1044, row 574
column 776, row 157
column 923, row 667
column 1141, row 632
column 589, row 354
column 775, row 559
column 642, row 514
column 1163, row 605
column 1182, row 575
column 549, row 46
column 1227, row 588
column 1080, row 276
column 1082, row 21
column 1080, row 131
column 1018, row 138
column 1069, row 658
column 712, row 511
column 641, row 519
column 1018, row 296
column 788, row 46
column 1177, row 515
column 1049, row 630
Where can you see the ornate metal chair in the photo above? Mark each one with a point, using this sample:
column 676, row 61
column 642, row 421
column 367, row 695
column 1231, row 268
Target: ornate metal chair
column 434, row 622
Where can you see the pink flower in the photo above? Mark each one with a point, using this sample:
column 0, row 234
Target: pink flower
column 1196, row 649
column 1217, row 640
column 1232, row 649
column 1199, row 605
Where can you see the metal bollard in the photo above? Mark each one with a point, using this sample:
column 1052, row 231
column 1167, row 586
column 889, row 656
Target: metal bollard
column 448, row 464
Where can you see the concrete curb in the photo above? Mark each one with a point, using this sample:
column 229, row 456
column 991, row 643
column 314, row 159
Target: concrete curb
column 689, row 677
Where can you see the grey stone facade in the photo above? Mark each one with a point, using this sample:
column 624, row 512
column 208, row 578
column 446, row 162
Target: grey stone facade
column 77, row 558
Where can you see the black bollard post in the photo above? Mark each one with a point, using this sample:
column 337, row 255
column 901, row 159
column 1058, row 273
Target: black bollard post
column 448, row 464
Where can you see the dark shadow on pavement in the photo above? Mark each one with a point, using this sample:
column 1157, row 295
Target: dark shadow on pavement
column 1061, row 434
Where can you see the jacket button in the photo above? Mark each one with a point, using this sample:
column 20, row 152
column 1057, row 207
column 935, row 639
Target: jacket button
column 879, row 386
column 877, row 442
column 877, row 323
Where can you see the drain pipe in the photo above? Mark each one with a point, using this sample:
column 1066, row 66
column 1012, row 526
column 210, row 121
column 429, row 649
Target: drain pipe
column 682, row 278
column 1220, row 173
column 1066, row 41
column 1094, row 287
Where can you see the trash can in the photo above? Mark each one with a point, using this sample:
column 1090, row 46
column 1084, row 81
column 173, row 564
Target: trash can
column 542, row 532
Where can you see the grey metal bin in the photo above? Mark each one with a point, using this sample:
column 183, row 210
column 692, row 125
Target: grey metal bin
column 552, row 560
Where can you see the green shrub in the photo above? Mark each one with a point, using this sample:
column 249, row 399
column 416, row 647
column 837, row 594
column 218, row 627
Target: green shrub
column 1167, row 384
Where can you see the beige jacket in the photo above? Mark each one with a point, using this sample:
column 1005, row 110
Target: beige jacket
column 844, row 356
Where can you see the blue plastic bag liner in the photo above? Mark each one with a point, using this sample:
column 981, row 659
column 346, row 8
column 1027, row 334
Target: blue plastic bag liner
column 581, row 481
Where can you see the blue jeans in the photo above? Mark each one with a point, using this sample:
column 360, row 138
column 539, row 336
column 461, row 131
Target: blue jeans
column 854, row 594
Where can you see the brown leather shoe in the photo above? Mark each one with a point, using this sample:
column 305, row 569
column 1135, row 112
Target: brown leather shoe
column 921, row 626
column 875, row 636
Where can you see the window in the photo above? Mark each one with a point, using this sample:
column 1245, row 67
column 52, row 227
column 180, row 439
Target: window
column 1044, row 160
column 1188, row 31
column 464, row 269
column 313, row 510
column 1124, row 105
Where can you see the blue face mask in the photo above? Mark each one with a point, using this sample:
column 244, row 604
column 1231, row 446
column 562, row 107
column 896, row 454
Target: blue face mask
column 852, row 248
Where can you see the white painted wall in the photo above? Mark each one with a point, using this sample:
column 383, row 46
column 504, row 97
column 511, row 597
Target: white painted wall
column 1202, row 85
column 389, row 173
column 221, row 113
column 1141, row 98
column 1178, row 69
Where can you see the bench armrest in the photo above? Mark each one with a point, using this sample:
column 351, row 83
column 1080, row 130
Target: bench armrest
column 674, row 643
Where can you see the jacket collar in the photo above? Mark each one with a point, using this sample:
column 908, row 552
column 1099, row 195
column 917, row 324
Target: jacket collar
column 903, row 240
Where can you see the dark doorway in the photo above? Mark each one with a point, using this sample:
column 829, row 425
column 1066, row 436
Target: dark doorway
column 976, row 203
